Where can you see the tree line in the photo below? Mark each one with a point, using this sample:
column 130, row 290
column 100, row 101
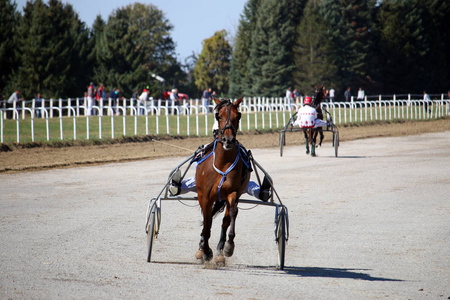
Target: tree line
column 383, row 46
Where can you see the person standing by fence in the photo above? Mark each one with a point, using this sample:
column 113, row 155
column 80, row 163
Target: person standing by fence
column 142, row 102
column 332, row 91
column 206, row 98
column 348, row 95
column 361, row 94
column 13, row 99
column 426, row 100
column 289, row 97
column 38, row 105
column 90, row 98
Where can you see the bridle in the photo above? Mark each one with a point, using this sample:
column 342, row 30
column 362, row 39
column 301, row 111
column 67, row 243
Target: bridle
column 228, row 123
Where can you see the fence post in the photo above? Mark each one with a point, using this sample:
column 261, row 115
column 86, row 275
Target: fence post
column 393, row 99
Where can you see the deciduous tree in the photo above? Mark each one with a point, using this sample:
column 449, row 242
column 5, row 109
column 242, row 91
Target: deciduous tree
column 213, row 64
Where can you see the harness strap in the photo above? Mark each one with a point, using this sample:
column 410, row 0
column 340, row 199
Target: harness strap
column 224, row 174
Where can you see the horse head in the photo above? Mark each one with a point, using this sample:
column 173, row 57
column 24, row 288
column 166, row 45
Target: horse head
column 318, row 96
column 227, row 116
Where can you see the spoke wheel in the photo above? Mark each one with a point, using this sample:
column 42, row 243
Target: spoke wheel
column 151, row 232
column 281, row 143
column 281, row 239
column 336, row 144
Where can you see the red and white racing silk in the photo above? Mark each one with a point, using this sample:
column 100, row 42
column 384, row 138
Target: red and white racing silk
column 306, row 117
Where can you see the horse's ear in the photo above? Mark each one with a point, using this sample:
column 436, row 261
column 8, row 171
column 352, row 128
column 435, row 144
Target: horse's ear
column 238, row 102
column 216, row 100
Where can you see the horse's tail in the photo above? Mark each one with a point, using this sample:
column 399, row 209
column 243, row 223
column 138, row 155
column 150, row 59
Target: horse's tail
column 218, row 207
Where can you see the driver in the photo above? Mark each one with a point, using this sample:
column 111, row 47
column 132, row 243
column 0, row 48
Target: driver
column 307, row 116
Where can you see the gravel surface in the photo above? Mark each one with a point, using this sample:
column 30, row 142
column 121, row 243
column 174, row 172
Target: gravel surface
column 372, row 223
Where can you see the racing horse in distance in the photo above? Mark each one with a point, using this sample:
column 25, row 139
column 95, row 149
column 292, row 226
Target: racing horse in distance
column 311, row 134
column 221, row 178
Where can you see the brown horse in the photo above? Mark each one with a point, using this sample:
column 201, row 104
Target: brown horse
column 311, row 133
column 220, row 180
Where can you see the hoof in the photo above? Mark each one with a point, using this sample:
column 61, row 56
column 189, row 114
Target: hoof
column 220, row 260
column 207, row 256
column 199, row 254
column 228, row 249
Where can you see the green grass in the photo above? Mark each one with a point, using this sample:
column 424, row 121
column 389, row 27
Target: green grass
column 137, row 127
column 134, row 126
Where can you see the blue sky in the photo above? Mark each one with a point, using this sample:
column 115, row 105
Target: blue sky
column 193, row 20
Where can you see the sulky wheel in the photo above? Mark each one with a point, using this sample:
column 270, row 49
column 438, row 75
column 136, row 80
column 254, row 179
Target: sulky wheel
column 151, row 230
column 281, row 238
column 282, row 142
column 336, row 143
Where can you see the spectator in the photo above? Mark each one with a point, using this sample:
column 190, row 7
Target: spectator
column 174, row 99
column 348, row 95
column 134, row 98
column 90, row 98
column 113, row 98
column 332, row 92
column 360, row 94
column 289, row 97
column 211, row 108
column 426, row 100
column 38, row 105
column 100, row 96
column 142, row 102
column 206, row 98
column 10, row 104
column 326, row 99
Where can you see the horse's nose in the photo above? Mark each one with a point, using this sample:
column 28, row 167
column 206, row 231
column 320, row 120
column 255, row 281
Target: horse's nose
column 228, row 141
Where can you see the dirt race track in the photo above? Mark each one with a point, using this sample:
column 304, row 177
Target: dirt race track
column 370, row 224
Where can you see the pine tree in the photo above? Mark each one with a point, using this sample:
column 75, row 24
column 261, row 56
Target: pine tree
column 412, row 45
column 51, row 47
column 271, row 60
column 313, row 59
column 349, row 24
column 9, row 18
column 240, row 81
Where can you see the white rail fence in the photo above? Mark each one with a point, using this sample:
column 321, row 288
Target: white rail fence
column 258, row 109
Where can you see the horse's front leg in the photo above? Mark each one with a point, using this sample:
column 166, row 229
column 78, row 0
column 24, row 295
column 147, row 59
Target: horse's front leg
column 223, row 234
column 220, row 259
column 233, row 209
column 204, row 251
column 313, row 135
column 321, row 137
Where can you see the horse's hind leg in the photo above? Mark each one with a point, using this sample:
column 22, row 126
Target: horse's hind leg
column 321, row 137
column 306, row 141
